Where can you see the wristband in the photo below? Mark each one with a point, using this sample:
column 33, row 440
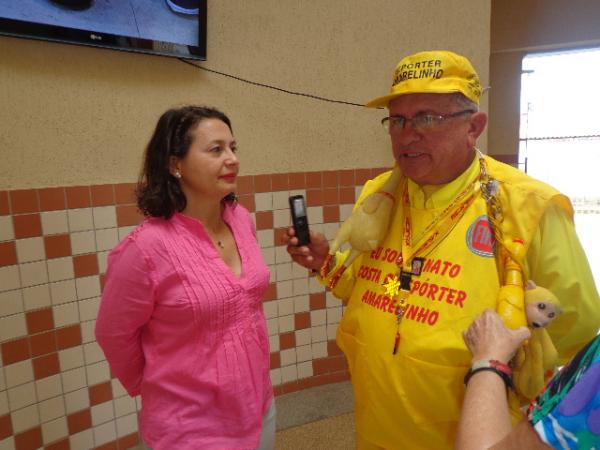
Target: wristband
column 493, row 365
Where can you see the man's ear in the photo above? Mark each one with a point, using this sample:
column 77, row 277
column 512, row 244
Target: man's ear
column 477, row 124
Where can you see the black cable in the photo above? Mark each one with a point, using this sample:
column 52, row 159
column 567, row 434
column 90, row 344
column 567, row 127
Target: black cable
column 254, row 83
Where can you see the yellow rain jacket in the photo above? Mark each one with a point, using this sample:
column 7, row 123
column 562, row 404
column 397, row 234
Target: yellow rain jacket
column 412, row 400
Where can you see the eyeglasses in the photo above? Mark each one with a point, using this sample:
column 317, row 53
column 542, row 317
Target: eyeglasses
column 421, row 122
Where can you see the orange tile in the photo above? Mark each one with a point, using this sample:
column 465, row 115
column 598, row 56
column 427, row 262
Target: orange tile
column 45, row 366
column 314, row 180
column 271, row 293
column 78, row 197
column 247, row 201
column 57, row 246
column 128, row 215
column 68, row 337
column 330, row 179
column 108, row 446
column 362, row 176
column 15, row 351
column 337, row 363
column 279, row 182
column 40, row 320
column 331, row 213
column 331, row 196
column 43, row 343
column 52, row 199
column 262, row 183
column 4, row 205
column 320, row 366
column 264, row 220
column 79, row 421
column 314, row 197
column 60, row 445
column 6, row 429
column 24, row 201
column 245, row 185
column 346, row 177
column 128, row 442
column 8, row 253
column 279, row 235
column 27, row 225
column 287, row 340
column 103, row 195
column 333, row 349
column 85, row 265
column 347, row 196
column 301, row 320
column 275, row 360
column 29, row 440
column 100, row 393
column 125, row 193
column 317, row 301
column 297, row 180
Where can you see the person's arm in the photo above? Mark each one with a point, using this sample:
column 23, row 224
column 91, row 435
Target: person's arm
column 126, row 306
column 485, row 417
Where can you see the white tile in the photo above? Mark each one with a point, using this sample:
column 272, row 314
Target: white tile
column 284, row 289
column 102, row 261
column 124, row 231
column 288, row 356
column 25, row 418
column 274, row 343
column 9, row 278
column 300, row 287
column 281, row 255
column 319, row 334
column 48, row 387
column 4, row 408
column 106, row 239
column 330, row 230
column 63, row 291
column 301, row 303
column 31, row 249
column 7, row 232
column 12, row 327
column 73, row 380
column 102, row 413
column 304, row 353
column 36, row 297
column 92, row 353
column 77, row 400
column 2, row 384
column 11, row 302
column 270, row 309
column 54, row 430
column 332, row 332
column 305, row 370
column 286, row 323
column 105, row 433
column 105, row 217
column 318, row 317
column 87, row 331
column 283, row 271
column 331, row 300
column 52, row 408
column 280, row 201
column 298, row 192
column 334, row 315
column 80, row 219
column 126, row 425
column 97, row 373
column 303, row 337
column 345, row 212
column 263, row 201
column 21, row 396
column 319, row 350
column 272, row 275
column 273, row 326
column 124, row 405
column 88, row 309
column 84, row 440
column 60, row 268
column 54, row 222
column 66, row 314
column 8, row 443
column 33, row 273
column 281, row 218
column 266, row 238
column 83, row 242
column 289, row 373
column 117, row 388
column 275, row 376
column 88, row 287
column 357, row 190
column 285, row 307
column 299, row 272
column 71, row 358
column 315, row 215
column 268, row 255
column 314, row 287
column 18, row 373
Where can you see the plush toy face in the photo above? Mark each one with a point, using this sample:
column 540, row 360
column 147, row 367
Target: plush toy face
column 540, row 313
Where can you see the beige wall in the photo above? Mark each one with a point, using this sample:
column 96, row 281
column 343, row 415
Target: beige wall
column 73, row 115
column 521, row 27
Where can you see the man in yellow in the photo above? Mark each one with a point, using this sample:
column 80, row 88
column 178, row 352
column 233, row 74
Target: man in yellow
column 453, row 210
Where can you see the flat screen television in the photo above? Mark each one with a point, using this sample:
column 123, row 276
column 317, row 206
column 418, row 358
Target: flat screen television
column 174, row 28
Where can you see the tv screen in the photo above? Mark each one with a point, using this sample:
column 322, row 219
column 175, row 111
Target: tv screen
column 162, row 27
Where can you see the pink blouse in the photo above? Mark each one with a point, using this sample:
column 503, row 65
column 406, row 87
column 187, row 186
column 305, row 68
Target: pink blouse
column 179, row 328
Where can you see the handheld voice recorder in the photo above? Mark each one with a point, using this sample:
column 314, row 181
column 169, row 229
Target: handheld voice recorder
column 299, row 219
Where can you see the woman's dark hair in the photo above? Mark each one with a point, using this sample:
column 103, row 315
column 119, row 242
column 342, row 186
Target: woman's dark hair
column 158, row 192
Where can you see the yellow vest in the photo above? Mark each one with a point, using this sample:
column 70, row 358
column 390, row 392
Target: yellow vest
column 412, row 400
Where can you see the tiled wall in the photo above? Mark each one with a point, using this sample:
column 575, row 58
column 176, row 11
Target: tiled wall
column 56, row 389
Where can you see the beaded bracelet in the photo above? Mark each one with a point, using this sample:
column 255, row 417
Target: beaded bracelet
column 500, row 369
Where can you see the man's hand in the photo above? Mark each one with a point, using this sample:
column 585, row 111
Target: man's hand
column 310, row 256
column 488, row 338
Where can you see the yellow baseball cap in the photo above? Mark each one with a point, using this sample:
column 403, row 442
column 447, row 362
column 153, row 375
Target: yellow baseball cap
column 432, row 72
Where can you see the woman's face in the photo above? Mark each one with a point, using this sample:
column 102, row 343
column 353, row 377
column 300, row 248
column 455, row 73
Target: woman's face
column 210, row 167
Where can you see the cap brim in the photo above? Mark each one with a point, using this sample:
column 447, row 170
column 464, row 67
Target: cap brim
column 381, row 102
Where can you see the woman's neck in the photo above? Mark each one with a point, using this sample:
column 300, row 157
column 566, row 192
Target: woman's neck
column 210, row 214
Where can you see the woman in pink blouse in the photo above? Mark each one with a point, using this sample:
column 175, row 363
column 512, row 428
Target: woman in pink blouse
column 181, row 320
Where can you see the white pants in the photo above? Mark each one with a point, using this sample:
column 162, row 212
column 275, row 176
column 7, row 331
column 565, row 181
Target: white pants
column 267, row 435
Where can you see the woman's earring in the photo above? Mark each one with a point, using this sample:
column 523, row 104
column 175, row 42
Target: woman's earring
column 178, row 175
